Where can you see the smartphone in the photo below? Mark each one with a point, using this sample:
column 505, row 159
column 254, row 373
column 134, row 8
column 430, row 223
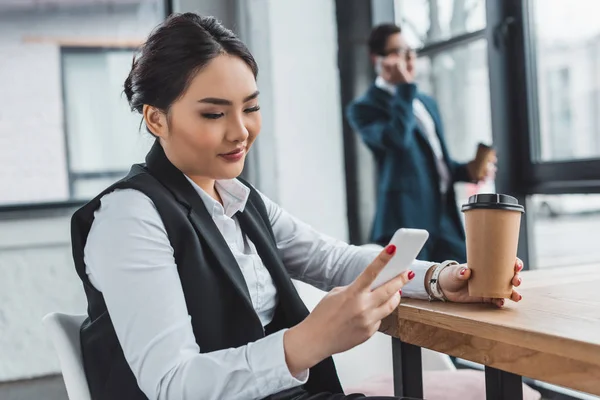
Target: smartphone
column 409, row 243
column 378, row 65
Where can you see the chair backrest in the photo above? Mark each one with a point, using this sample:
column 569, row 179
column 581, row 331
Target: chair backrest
column 64, row 332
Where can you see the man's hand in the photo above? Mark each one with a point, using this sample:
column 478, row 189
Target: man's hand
column 484, row 165
column 394, row 71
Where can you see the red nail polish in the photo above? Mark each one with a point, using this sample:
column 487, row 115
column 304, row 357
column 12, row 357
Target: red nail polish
column 520, row 267
column 400, row 291
column 520, row 297
column 462, row 271
column 391, row 249
column 411, row 274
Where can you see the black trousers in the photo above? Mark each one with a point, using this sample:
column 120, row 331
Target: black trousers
column 298, row 393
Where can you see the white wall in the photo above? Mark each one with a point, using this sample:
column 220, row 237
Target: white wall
column 37, row 277
column 308, row 116
column 299, row 155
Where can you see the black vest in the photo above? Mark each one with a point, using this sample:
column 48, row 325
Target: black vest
column 216, row 294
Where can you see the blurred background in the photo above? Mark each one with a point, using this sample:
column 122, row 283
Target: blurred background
column 521, row 74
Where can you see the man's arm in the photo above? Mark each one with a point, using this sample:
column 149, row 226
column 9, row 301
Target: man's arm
column 385, row 129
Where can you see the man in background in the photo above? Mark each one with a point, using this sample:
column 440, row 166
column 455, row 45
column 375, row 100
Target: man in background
column 404, row 131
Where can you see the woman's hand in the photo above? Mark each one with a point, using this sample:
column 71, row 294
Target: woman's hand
column 453, row 282
column 347, row 316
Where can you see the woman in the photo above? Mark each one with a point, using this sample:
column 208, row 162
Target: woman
column 187, row 269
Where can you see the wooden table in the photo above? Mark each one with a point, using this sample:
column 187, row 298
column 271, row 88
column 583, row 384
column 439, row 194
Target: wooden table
column 552, row 335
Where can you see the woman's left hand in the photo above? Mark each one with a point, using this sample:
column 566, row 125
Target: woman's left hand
column 453, row 282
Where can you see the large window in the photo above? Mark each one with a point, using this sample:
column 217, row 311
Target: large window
column 568, row 78
column 66, row 128
column 564, row 133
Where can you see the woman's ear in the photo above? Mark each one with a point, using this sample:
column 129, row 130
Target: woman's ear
column 156, row 121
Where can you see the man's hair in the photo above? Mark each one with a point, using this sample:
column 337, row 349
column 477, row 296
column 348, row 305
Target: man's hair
column 379, row 36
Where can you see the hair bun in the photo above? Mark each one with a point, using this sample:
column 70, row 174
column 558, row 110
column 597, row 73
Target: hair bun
column 174, row 51
column 128, row 87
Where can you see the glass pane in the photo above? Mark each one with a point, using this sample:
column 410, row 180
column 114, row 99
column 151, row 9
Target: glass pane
column 39, row 100
column 103, row 133
column 565, row 229
column 458, row 80
column 568, row 78
column 427, row 21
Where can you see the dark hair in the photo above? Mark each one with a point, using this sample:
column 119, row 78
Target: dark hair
column 379, row 36
column 173, row 53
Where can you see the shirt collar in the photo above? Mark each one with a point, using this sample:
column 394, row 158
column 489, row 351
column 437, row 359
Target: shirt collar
column 391, row 89
column 233, row 193
column 385, row 85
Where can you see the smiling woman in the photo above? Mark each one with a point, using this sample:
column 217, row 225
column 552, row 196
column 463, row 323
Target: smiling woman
column 176, row 112
column 229, row 121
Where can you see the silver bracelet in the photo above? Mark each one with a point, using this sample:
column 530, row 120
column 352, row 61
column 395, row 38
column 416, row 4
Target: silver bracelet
column 434, row 287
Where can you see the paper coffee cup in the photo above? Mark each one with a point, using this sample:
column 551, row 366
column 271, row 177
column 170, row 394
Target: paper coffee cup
column 492, row 223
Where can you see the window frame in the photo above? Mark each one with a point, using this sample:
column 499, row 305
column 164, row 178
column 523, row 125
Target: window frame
column 543, row 177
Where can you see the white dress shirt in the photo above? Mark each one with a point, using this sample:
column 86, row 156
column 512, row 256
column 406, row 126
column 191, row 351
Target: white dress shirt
column 427, row 125
column 129, row 259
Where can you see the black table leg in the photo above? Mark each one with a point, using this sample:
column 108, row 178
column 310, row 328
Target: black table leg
column 501, row 385
column 408, row 369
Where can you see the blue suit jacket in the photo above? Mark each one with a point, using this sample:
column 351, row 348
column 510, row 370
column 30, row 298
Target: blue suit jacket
column 408, row 194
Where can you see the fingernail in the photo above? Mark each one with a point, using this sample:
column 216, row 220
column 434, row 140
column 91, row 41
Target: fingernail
column 411, row 274
column 462, row 271
column 400, row 291
column 520, row 266
column 520, row 297
column 390, row 249
column 502, row 303
column 520, row 280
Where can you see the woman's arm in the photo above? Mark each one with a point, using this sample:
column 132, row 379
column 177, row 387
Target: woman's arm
column 130, row 260
column 325, row 262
